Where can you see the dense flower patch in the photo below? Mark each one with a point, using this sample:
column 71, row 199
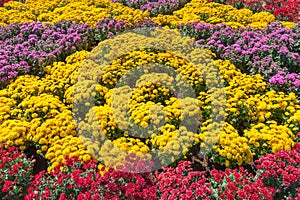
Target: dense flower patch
column 282, row 10
column 83, row 181
column 272, row 52
column 222, row 122
column 75, row 180
column 29, row 47
column 16, row 173
column 91, row 12
column 155, row 7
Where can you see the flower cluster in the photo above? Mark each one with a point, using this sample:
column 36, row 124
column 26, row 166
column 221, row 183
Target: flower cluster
column 155, row 7
column 68, row 146
column 84, row 181
column 294, row 122
column 182, row 182
column 284, row 81
column 272, row 106
column 282, row 10
column 125, row 112
column 13, row 133
column 15, row 173
column 215, row 13
column 52, row 128
column 91, row 12
column 272, row 51
column 230, row 148
column 32, row 46
column 29, row 47
column 86, row 12
column 239, row 184
column 269, row 139
column 281, row 171
column 104, row 97
column 32, row 112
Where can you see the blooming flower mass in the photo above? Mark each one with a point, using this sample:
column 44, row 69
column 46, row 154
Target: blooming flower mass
column 144, row 99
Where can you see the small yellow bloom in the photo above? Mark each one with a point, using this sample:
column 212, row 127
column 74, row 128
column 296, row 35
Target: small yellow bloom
column 144, row 124
column 22, row 147
column 227, row 163
column 44, row 148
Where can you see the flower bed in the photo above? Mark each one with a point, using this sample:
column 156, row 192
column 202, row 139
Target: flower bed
column 282, row 10
column 271, row 52
column 113, row 102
